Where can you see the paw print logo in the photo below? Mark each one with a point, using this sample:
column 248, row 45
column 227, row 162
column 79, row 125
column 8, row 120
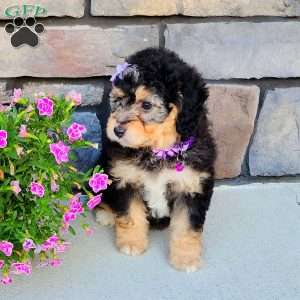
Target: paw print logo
column 24, row 31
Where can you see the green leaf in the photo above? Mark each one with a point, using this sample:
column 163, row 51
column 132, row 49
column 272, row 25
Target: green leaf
column 72, row 230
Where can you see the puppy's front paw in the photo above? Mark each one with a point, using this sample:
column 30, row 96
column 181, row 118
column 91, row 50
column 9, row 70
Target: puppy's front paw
column 105, row 217
column 132, row 230
column 132, row 248
column 185, row 262
column 131, row 238
column 185, row 254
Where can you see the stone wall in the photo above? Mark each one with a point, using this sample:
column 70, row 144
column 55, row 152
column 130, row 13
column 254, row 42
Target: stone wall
column 248, row 52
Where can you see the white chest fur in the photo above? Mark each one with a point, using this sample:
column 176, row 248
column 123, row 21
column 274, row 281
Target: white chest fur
column 155, row 188
column 155, row 183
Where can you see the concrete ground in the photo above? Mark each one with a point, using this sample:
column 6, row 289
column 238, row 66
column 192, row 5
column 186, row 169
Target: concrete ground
column 252, row 251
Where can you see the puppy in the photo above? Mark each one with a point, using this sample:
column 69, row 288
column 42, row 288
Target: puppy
column 160, row 155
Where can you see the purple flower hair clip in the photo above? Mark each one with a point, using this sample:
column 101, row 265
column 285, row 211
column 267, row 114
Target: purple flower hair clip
column 121, row 68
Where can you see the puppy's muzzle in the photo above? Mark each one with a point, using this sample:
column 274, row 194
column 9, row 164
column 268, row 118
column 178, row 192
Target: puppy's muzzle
column 119, row 131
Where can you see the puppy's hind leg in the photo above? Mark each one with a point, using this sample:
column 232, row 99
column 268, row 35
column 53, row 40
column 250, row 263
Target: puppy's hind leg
column 105, row 216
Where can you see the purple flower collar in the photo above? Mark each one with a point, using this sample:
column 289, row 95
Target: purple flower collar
column 177, row 151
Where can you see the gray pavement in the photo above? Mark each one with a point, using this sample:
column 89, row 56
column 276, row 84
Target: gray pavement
column 252, row 251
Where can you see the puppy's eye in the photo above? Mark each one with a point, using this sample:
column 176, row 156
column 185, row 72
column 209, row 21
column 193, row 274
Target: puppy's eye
column 147, row 105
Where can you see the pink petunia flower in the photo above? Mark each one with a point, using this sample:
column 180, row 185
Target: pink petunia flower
column 62, row 247
column 17, row 95
column 94, row 201
column 46, row 246
column 69, row 217
column 55, row 262
column 6, row 280
column 75, row 132
column 37, row 189
column 23, row 131
column 15, row 186
column 28, row 244
column 53, row 239
column 74, row 97
column 45, row 107
column 21, row 268
column 54, row 186
column 3, row 138
column 89, row 231
column 6, row 247
column 50, row 243
column 98, row 182
column 1, row 263
column 60, row 152
column 75, row 206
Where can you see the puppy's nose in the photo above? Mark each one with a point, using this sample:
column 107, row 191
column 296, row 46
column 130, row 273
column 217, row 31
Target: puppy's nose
column 119, row 131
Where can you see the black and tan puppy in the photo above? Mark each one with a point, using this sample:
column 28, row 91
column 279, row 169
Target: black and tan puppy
column 160, row 155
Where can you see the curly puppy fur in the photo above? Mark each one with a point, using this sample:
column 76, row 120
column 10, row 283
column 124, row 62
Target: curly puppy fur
column 159, row 101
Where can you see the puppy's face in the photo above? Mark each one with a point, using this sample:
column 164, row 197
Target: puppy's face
column 141, row 118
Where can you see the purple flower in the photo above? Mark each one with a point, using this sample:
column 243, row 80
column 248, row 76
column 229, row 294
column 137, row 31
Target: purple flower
column 3, row 138
column 6, row 247
column 74, row 97
column 75, row 205
column 89, row 231
column 62, row 247
column 50, row 243
column 75, row 208
column 46, row 246
column 119, row 72
column 55, row 262
column 75, row 132
column 174, row 150
column 1, row 263
column 17, row 95
column 37, row 189
column 60, row 152
column 98, row 182
column 23, row 131
column 15, row 186
column 45, row 107
column 28, row 244
column 53, row 239
column 68, row 217
column 6, row 280
column 21, row 268
column 94, row 201
column 161, row 154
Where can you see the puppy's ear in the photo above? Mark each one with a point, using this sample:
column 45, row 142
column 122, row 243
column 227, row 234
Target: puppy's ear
column 191, row 108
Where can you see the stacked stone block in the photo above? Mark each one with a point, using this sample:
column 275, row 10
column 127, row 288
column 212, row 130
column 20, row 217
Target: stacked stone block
column 248, row 51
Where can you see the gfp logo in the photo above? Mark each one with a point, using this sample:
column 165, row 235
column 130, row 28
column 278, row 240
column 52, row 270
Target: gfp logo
column 25, row 10
column 24, row 29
